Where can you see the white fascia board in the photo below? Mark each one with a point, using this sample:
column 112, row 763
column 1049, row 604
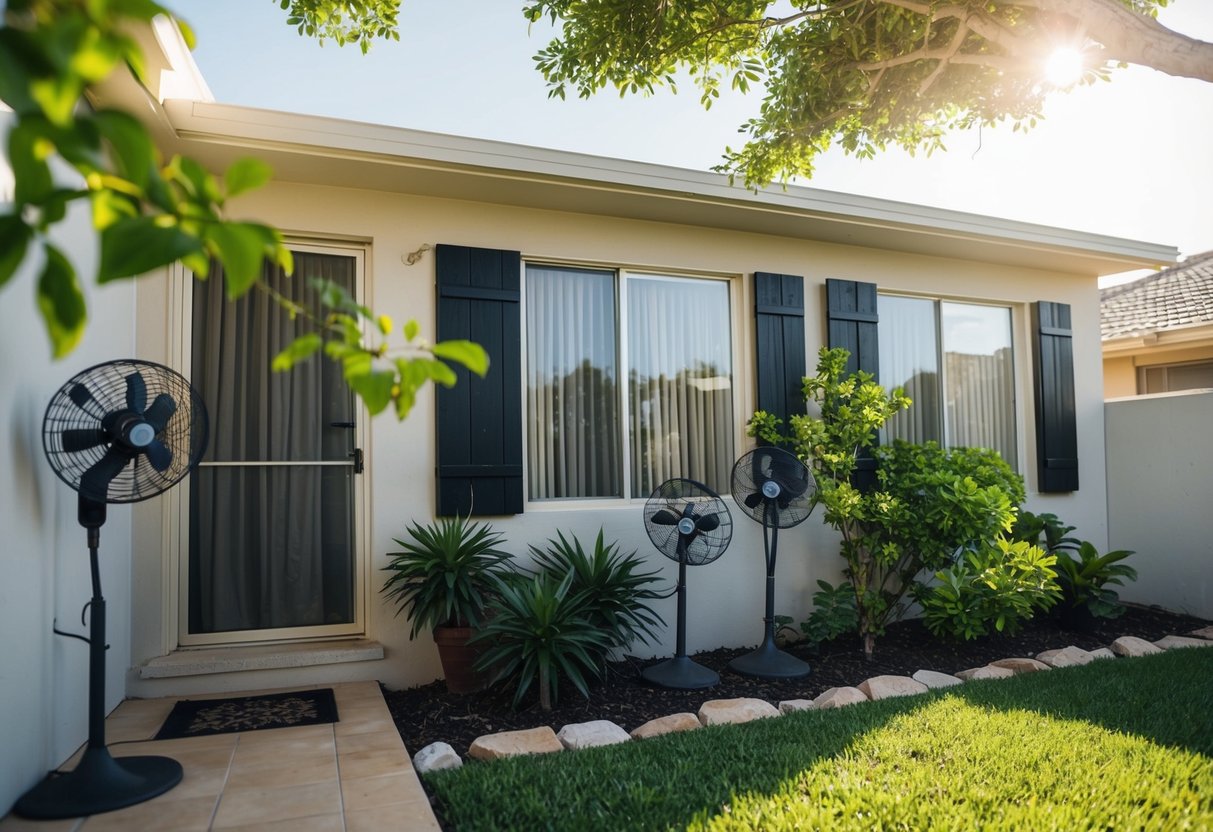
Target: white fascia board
column 293, row 133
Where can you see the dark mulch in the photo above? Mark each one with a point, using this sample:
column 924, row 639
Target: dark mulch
column 429, row 714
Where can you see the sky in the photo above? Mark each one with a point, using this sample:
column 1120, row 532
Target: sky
column 1130, row 158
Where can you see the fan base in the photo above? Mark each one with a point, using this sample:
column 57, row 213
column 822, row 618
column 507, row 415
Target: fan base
column 99, row 784
column 769, row 662
column 680, row 672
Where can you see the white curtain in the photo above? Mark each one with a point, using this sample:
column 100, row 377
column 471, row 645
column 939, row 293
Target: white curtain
column 680, row 394
column 270, row 546
column 909, row 358
column 980, row 377
column 573, row 430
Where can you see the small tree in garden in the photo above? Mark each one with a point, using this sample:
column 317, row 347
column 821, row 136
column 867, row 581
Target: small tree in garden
column 929, row 502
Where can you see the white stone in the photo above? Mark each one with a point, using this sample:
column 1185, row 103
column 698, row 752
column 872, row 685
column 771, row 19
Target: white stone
column 734, row 711
column 839, row 698
column 788, row 706
column 1203, row 632
column 886, row 687
column 974, row 674
column 1065, row 657
column 435, row 756
column 934, row 679
column 1172, row 642
column 580, row 735
column 1019, row 665
column 540, row 740
column 1132, row 646
column 1102, row 653
column 667, row 725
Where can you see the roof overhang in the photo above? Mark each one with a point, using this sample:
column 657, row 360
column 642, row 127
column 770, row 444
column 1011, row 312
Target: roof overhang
column 1181, row 337
column 327, row 151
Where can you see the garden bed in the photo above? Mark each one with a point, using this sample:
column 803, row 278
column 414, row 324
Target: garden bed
column 429, row 714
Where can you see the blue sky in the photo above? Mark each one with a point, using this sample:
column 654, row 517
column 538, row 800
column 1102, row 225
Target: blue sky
column 1129, row 158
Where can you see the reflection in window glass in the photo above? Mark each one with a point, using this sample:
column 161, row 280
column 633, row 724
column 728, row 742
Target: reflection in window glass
column 979, row 377
column 909, row 358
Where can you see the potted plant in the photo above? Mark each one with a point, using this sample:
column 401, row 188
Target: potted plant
column 443, row 581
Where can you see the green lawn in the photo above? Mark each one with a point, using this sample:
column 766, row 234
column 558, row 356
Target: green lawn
column 1124, row 744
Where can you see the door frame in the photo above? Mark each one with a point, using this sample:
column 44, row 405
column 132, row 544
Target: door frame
column 176, row 516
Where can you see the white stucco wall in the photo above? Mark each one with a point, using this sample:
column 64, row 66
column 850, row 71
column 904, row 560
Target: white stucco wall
column 725, row 598
column 1160, row 453
column 44, row 678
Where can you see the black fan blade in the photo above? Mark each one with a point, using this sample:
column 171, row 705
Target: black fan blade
column 95, row 482
column 85, row 401
column 665, row 517
column 81, row 439
column 708, row 523
column 159, row 455
column 136, row 392
column 791, row 475
column 162, row 409
column 752, row 500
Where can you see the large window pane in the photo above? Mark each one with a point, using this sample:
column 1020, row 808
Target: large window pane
column 573, row 431
column 680, row 385
column 979, row 373
column 909, row 358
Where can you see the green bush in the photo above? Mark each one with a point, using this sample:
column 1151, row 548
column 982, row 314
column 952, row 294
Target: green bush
column 834, row 613
column 1087, row 581
column 609, row 586
column 1044, row 530
column 539, row 631
column 999, row 586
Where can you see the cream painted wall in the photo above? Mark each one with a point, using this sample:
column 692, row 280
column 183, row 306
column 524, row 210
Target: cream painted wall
column 725, row 598
column 44, row 678
column 1120, row 369
column 1159, row 457
column 1119, row 376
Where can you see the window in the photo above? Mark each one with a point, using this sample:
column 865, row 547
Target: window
column 595, row 430
column 1167, row 378
column 955, row 361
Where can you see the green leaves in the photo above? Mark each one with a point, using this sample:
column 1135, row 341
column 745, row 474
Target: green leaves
column 14, row 239
column 298, row 350
column 241, row 247
column 468, row 354
column 61, row 303
column 136, row 245
column 246, row 175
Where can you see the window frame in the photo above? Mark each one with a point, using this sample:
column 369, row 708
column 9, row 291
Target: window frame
column 739, row 348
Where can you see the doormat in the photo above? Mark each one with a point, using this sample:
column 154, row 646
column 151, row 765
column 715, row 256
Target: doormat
column 203, row 717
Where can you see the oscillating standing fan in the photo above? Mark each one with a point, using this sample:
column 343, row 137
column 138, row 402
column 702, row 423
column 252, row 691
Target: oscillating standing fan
column 690, row 524
column 776, row 489
column 118, row 432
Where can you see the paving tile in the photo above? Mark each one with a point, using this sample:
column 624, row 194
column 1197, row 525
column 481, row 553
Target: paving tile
column 190, row 815
column 289, row 773
column 243, row 807
column 375, row 763
column 313, row 750
column 402, row 817
column 12, row 823
column 378, row 741
column 300, row 734
column 313, row 823
column 190, row 758
column 373, row 792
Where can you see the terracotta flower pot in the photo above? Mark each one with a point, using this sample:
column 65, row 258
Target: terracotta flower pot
column 457, row 657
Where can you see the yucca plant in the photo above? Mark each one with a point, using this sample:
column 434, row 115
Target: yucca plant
column 539, row 631
column 1087, row 581
column 444, row 575
column 609, row 585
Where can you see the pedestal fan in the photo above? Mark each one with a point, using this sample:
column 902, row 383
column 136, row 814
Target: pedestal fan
column 776, row 489
column 690, row 524
column 118, row 432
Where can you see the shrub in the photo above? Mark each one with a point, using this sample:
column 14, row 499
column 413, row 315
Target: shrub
column 538, row 630
column 609, row 586
column 833, row 613
column 1087, row 581
column 999, row 585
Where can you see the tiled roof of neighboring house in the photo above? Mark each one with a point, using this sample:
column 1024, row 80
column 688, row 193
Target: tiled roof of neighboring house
column 1179, row 296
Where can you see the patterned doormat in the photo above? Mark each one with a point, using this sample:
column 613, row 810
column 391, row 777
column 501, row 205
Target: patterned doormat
column 203, row 717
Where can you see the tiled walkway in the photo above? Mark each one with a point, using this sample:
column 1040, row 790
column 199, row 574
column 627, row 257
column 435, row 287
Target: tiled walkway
column 352, row 775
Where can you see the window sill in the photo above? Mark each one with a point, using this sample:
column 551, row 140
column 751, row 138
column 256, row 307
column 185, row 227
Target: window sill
column 260, row 657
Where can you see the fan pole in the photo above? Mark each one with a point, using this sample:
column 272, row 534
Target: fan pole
column 681, row 672
column 680, row 645
column 98, row 783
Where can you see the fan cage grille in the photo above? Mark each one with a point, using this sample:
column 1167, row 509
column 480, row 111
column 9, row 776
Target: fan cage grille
column 674, row 495
column 795, row 480
column 184, row 434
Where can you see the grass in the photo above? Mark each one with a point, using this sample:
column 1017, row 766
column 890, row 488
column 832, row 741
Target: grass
column 1125, row 744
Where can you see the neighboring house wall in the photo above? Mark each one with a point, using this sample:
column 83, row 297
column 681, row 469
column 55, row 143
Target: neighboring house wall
column 1159, row 458
column 43, row 677
column 725, row 598
column 1122, row 364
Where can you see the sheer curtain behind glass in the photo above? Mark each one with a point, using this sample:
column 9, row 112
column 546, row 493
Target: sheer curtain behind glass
column 573, row 431
column 909, row 358
column 270, row 545
column 680, row 386
column 979, row 375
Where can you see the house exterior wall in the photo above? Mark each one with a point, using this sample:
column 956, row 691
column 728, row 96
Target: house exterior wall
column 1120, row 367
column 44, row 678
column 1159, row 458
column 725, row 598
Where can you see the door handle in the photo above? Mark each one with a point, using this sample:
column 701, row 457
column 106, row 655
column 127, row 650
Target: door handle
column 357, row 455
column 349, row 425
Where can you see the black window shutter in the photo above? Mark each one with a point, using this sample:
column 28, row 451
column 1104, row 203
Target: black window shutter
column 779, row 316
column 851, row 322
column 1056, row 422
column 480, row 419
